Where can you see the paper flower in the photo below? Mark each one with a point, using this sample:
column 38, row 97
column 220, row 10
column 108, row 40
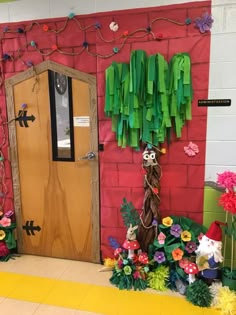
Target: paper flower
column 190, row 247
column 5, row 222
column 167, row 221
column 186, row 236
column 183, row 262
column 114, row 26
column 161, row 238
column 227, row 180
column 4, row 251
column 177, row 254
column 159, row 257
column 2, row 235
column 204, row 23
column 228, row 202
column 175, row 230
column 191, row 149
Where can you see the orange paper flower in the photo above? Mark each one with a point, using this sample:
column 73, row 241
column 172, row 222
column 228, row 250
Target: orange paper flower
column 177, row 254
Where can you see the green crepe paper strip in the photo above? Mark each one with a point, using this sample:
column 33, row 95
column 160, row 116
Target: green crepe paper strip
column 180, row 90
column 142, row 98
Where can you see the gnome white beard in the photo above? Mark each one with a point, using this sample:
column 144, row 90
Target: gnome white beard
column 209, row 248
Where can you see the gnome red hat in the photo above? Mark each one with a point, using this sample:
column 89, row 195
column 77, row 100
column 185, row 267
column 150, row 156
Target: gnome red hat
column 215, row 232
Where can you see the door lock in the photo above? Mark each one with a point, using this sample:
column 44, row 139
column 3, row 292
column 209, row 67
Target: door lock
column 88, row 156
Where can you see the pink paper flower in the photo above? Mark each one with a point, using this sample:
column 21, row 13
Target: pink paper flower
column 191, row 149
column 5, row 222
column 161, row 238
column 227, row 180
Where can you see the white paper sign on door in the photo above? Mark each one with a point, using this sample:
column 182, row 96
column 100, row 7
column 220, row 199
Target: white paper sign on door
column 81, row 121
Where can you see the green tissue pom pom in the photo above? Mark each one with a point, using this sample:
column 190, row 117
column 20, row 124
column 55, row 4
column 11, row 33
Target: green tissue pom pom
column 198, row 293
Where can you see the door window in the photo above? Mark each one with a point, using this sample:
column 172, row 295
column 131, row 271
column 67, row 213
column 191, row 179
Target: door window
column 61, row 106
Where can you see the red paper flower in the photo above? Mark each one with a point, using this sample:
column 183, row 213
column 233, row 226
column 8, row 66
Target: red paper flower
column 125, row 33
column 228, row 202
column 4, row 251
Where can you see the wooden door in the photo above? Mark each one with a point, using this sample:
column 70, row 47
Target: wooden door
column 56, row 200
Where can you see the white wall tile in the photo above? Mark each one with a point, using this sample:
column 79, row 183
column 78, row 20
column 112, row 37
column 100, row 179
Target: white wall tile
column 222, row 48
column 218, row 14
column 4, row 12
column 104, row 5
column 25, row 10
column 213, row 170
column 221, row 128
column 222, row 75
column 61, row 8
column 221, row 153
column 222, row 94
column 230, row 18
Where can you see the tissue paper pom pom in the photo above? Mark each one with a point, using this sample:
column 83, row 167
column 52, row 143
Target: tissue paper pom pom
column 114, row 26
column 226, row 301
column 198, row 293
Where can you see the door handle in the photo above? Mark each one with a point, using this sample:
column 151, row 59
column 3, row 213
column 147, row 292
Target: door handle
column 88, row 156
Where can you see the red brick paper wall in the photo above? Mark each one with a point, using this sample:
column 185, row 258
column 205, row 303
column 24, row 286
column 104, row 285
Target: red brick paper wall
column 121, row 174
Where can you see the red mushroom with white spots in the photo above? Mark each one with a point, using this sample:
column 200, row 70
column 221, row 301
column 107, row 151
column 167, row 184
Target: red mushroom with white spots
column 131, row 246
column 191, row 269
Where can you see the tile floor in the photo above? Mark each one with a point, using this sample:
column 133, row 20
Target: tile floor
column 26, row 268
column 50, row 268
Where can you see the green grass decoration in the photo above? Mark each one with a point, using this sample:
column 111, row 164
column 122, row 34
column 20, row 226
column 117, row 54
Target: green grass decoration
column 198, row 293
column 129, row 214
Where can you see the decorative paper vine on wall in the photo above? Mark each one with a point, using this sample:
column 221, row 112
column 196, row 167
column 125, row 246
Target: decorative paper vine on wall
column 148, row 97
column 203, row 23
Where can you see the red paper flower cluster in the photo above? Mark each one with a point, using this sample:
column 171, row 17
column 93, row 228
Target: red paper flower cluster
column 228, row 200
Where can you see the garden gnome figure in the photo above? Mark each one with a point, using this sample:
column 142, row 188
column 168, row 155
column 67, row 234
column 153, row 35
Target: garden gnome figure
column 209, row 253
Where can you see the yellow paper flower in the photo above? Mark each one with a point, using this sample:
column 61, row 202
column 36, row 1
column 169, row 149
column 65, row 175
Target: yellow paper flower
column 109, row 262
column 186, row 236
column 167, row 221
column 2, row 235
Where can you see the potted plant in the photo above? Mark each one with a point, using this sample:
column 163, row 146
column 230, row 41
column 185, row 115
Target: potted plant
column 227, row 200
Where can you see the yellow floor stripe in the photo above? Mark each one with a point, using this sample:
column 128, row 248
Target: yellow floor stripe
column 93, row 298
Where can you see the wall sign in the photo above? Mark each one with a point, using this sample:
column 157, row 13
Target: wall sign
column 215, row 102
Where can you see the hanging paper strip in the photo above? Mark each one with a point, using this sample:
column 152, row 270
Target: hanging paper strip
column 143, row 97
column 180, row 90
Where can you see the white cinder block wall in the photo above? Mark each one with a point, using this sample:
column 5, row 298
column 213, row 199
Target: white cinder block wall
column 221, row 123
column 221, row 126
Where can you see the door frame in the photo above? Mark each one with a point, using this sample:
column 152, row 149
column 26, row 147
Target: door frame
column 13, row 155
